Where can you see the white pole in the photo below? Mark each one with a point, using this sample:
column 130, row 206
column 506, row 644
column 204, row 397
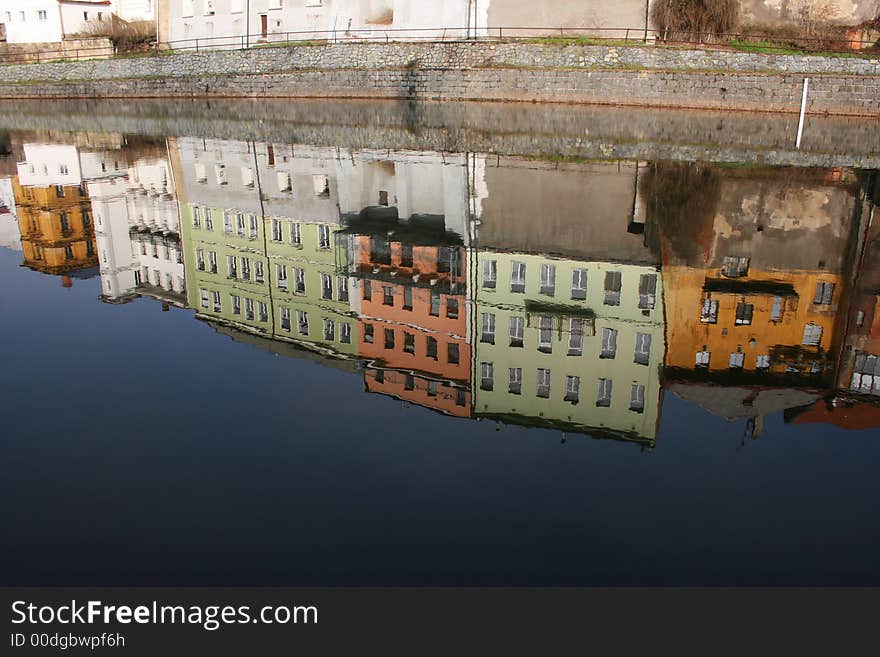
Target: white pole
column 803, row 111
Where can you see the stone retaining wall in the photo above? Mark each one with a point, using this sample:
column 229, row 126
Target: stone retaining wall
column 472, row 71
column 72, row 49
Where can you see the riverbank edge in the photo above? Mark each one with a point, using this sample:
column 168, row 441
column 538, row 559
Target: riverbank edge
column 601, row 75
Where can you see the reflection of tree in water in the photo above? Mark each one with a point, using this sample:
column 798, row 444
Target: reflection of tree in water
column 5, row 144
column 682, row 200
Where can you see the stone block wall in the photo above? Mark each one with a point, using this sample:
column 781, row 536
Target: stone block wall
column 69, row 49
column 645, row 76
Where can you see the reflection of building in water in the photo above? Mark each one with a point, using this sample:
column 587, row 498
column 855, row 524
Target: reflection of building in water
column 568, row 301
column 54, row 210
column 859, row 370
column 10, row 234
column 755, row 271
column 258, row 224
column 138, row 233
column 413, row 310
column 408, row 223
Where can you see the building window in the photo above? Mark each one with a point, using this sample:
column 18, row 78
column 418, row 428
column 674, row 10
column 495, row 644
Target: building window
column 517, row 276
column 321, row 185
column 59, row 191
column 329, row 329
column 516, row 329
column 744, row 312
column 451, row 308
column 647, row 291
column 579, row 284
column 572, row 388
column 231, row 266
column 258, row 271
column 299, row 280
column 735, row 267
column 368, row 291
column 284, row 183
column 295, row 233
column 543, row 389
column 776, row 310
column 575, row 336
column 431, row 347
column 409, row 343
column 637, row 398
column 609, row 343
column 254, row 230
column 603, row 392
column 487, row 334
column 209, row 219
column 281, row 275
column 514, row 380
column 407, row 298
column 239, row 224
column 703, row 359
column 812, row 334
column 345, row 333
column 709, row 311
column 209, row 8
column 227, row 223
column 487, row 377
column 490, row 274
column 612, row 288
column 452, row 353
column 203, row 297
column 247, row 177
column 212, row 261
column 42, row 15
column 545, row 334
column 435, row 303
column 387, row 295
column 548, row 279
column 285, row 319
column 737, row 358
column 824, row 293
column 323, row 236
column 220, row 173
column 368, row 333
column 406, row 255
column 276, row 231
column 218, row 307
column 327, row 287
column 643, row 348
column 264, row 311
column 342, row 288
column 302, row 322
column 762, row 362
column 68, row 252
column 236, row 304
column 200, row 258
column 389, row 338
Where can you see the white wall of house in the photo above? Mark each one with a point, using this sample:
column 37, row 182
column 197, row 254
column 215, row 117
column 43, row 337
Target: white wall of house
column 34, row 21
column 81, row 15
column 135, row 10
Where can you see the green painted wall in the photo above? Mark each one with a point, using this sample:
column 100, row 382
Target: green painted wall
column 626, row 318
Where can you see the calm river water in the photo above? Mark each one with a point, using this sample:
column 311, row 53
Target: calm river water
column 341, row 355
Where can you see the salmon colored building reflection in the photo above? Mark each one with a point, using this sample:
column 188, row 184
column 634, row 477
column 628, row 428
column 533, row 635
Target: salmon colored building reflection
column 413, row 326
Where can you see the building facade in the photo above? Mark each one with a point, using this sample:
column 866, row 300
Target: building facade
column 50, row 21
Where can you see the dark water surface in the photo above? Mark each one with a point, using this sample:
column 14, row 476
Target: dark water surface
column 256, row 362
